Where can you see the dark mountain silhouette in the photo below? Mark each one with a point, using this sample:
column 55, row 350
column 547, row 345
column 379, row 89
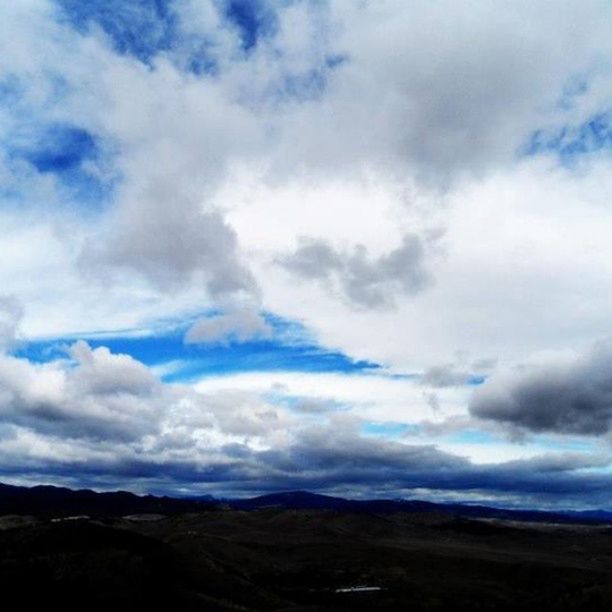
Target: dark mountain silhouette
column 49, row 501
column 304, row 500
column 603, row 516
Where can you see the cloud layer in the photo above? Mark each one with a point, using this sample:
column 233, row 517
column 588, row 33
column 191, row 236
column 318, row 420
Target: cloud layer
column 342, row 246
column 102, row 418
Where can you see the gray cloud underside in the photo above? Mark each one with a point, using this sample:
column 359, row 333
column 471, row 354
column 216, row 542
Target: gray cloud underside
column 103, row 417
column 365, row 281
column 322, row 460
column 561, row 395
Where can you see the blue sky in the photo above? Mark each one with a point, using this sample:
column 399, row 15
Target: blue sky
column 289, row 349
column 356, row 247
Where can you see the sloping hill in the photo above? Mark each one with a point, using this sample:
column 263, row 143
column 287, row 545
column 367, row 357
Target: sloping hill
column 49, row 501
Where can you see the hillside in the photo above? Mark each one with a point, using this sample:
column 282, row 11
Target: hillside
column 279, row 555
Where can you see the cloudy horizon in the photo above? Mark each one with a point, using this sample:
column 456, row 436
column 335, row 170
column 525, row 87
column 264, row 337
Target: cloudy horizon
column 351, row 246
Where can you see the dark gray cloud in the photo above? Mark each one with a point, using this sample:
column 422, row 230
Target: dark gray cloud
column 323, row 460
column 365, row 281
column 561, row 395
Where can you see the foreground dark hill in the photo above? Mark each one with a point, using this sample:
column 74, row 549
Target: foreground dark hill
column 292, row 551
column 306, row 561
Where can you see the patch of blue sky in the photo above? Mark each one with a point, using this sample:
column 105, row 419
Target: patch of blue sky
column 253, row 19
column 402, row 376
column 471, row 436
column 336, row 59
column 542, row 443
column 287, row 350
column 79, row 161
column 473, row 380
column 143, row 29
column 388, row 429
column 572, row 143
column 11, row 90
column 61, row 148
column 565, row 443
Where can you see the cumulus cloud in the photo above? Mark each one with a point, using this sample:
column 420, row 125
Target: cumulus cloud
column 234, row 326
column 104, row 399
column 165, row 224
column 101, row 372
column 571, row 395
column 369, row 282
column 174, row 250
column 103, row 419
column 94, row 394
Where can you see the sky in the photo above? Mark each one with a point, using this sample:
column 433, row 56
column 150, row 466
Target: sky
column 358, row 247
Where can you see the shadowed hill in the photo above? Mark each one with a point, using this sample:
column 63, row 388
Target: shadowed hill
column 49, row 501
column 293, row 551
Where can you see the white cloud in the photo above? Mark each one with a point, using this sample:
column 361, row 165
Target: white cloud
column 524, row 265
column 102, row 396
column 238, row 325
column 375, row 397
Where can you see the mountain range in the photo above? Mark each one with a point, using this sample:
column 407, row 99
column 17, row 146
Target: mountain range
column 51, row 501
